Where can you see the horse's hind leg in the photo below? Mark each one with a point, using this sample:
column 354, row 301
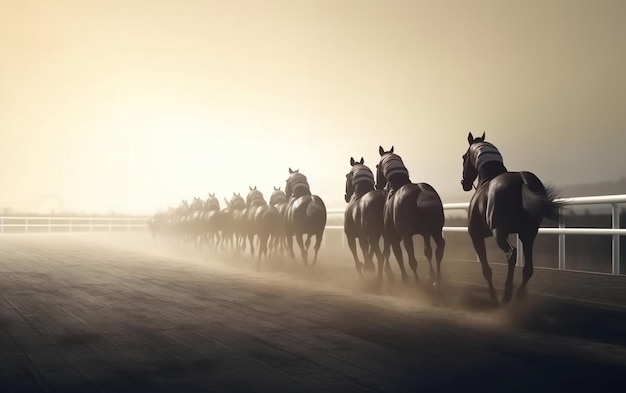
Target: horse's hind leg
column 511, row 257
column 386, row 254
column 408, row 244
column 397, row 252
column 479, row 246
column 352, row 245
column 318, row 242
column 303, row 252
column 428, row 253
column 374, row 242
column 528, row 241
column 441, row 246
column 365, row 249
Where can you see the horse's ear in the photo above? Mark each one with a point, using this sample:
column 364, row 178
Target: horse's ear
column 381, row 151
column 254, row 188
column 362, row 161
column 483, row 137
column 391, row 151
column 470, row 138
column 290, row 171
column 352, row 162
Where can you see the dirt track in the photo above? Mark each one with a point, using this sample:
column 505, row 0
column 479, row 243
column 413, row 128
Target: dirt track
column 117, row 313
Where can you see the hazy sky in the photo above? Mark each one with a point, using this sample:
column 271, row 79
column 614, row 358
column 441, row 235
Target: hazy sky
column 131, row 105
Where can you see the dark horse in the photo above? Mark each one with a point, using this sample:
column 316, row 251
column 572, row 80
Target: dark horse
column 504, row 203
column 305, row 214
column 364, row 219
column 264, row 221
column 410, row 209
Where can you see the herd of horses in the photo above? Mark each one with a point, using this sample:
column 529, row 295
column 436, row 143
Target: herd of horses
column 385, row 208
column 271, row 225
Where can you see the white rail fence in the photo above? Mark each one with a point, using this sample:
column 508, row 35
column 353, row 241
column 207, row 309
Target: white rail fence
column 57, row 224
column 615, row 231
column 53, row 224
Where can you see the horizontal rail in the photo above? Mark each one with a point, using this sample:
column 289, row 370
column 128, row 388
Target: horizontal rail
column 57, row 218
column 613, row 201
column 547, row 231
column 74, row 225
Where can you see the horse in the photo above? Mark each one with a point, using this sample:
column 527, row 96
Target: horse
column 212, row 220
column 305, row 214
column 504, row 203
column 263, row 221
column 410, row 209
column 364, row 218
column 279, row 200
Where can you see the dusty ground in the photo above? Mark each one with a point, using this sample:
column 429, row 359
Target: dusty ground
column 121, row 313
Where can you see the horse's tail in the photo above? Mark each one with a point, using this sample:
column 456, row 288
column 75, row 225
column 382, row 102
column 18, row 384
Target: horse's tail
column 539, row 200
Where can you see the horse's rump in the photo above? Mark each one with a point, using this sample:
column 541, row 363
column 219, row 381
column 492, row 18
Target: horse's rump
column 415, row 208
column 513, row 200
column 372, row 206
column 306, row 214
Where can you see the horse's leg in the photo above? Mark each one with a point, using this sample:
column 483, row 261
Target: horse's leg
column 397, row 252
column 428, row 253
column 440, row 242
column 251, row 241
column 502, row 240
column 374, row 243
column 479, row 246
column 303, row 253
column 290, row 251
column 318, row 243
column 307, row 243
column 410, row 250
column 368, row 265
column 386, row 257
column 263, row 237
column 528, row 240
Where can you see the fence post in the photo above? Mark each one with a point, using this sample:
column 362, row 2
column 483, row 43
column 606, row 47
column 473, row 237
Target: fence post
column 616, row 239
column 561, row 241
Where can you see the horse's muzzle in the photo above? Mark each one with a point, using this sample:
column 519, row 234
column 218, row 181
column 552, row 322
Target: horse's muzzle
column 466, row 186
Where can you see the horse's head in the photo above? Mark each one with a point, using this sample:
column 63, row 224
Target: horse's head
column 381, row 180
column 237, row 202
column 254, row 197
column 470, row 172
column 358, row 172
column 278, row 196
column 212, row 203
column 296, row 180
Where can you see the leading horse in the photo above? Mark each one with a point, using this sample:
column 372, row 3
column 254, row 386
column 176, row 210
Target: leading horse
column 504, row 203
column 410, row 209
column 305, row 214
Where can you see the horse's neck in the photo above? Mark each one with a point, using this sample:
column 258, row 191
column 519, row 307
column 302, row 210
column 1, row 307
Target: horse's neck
column 301, row 191
column 258, row 202
column 278, row 200
column 398, row 180
column 362, row 188
column 489, row 171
